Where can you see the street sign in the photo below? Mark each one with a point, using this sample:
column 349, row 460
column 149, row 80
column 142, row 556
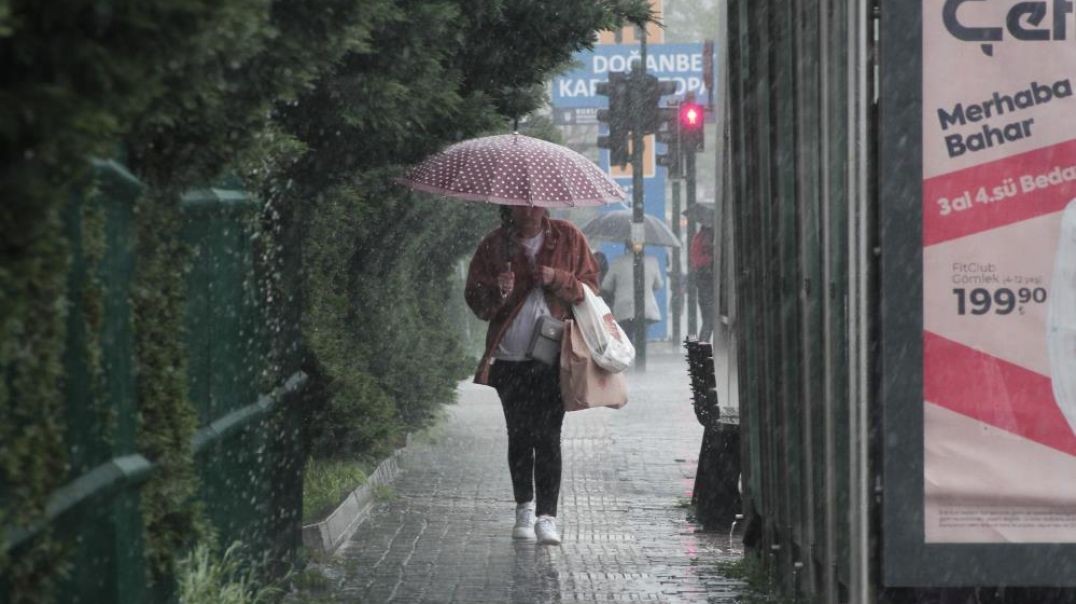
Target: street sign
column 684, row 64
column 575, row 116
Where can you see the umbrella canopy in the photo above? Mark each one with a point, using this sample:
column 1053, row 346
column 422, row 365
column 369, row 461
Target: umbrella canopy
column 616, row 226
column 515, row 170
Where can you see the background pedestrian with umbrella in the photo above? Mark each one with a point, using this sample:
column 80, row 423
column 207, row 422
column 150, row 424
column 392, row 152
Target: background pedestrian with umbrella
column 618, row 283
column 701, row 261
column 530, row 267
column 616, row 226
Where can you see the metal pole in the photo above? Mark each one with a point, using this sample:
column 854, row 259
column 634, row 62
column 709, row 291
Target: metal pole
column 635, row 94
column 830, row 322
column 723, row 207
column 692, row 305
column 860, row 16
column 676, row 276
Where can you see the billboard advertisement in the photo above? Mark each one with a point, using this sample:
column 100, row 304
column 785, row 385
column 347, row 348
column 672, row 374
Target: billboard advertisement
column 999, row 271
column 992, row 434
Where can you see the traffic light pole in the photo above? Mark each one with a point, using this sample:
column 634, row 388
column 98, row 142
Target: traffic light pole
column 637, row 191
column 676, row 275
column 689, row 168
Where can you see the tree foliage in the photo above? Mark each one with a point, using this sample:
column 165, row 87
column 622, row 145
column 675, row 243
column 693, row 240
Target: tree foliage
column 314, row 105
column 433, row 73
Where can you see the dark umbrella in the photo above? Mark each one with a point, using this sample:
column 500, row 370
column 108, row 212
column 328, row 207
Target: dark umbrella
column 616, row 226
column 702, row 212
column 514, row 170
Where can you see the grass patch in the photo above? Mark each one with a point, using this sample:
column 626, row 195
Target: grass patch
column 207, row 577
column 751, row 571
column 741, row 569
column 384, row 492
column 760, row 589
column 326, row 482
column 312, row 579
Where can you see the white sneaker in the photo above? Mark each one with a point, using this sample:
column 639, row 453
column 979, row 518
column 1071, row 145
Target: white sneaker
column 545, row 529
column 524, row 528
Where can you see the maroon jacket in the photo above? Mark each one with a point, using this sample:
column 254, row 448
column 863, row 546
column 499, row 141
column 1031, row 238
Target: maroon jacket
column 565, row 249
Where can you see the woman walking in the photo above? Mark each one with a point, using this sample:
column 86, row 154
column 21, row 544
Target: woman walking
column 530, row 267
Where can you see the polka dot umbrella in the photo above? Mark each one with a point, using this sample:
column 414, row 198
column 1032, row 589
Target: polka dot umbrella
column 515, row 170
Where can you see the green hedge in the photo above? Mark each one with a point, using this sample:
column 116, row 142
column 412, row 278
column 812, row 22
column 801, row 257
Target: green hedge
column 379, row 270
column 167, row 418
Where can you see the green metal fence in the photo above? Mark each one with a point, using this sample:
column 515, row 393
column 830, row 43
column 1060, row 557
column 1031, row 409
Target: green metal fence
column 102, row 501
column 798, row 231
column 248, row 448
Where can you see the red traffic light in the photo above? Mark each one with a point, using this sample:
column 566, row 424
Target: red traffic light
column 690, row 116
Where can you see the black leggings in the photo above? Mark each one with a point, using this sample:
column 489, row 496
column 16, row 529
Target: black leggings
column 533, row 414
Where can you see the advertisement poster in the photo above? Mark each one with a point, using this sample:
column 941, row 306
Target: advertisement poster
column 999, row 271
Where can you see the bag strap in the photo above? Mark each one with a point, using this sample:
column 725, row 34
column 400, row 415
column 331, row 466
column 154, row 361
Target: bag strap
column 509, row 244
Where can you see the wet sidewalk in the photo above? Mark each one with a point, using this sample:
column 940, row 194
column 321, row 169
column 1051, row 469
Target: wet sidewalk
column 444, row 533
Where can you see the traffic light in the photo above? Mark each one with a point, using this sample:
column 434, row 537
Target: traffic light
column 649, row 90
column 617, row 117
column 668, row 132
column 691, row 126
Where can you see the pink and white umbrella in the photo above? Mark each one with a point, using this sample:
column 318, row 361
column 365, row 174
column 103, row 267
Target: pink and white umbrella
column 514, row 170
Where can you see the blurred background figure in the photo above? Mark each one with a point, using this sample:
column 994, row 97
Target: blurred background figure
column 701, row 258
column 603, row 269
column 618, row 285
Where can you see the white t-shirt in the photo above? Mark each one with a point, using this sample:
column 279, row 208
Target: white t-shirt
column 513, row 346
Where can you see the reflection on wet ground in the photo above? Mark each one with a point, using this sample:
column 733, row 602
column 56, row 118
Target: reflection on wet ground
column 444, row 533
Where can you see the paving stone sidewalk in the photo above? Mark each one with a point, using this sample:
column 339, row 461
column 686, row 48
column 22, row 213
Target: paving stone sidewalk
column 444, row 534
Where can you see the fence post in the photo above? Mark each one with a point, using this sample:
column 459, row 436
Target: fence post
column 107, row 561
column 225, row 344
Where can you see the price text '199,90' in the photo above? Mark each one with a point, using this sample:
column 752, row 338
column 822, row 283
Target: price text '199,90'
column 1002, row 301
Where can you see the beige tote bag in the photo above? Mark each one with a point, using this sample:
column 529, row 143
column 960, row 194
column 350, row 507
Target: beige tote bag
column 583, row 384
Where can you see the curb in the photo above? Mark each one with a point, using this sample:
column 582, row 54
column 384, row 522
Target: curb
column 326, row 536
